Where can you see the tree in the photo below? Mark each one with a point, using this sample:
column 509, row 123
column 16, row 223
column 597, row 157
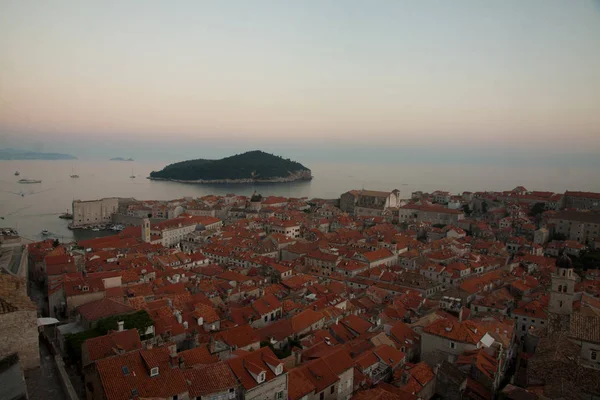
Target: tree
column 467, row 210
column 56, row 243
column 537, row 209
column 484, row 207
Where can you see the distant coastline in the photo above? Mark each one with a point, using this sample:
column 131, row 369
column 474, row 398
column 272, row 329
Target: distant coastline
column 121, row 159
column 15, row 154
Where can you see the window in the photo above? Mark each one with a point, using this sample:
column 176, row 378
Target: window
column 332, row 390
column 261, row 377
column 279, row 395
column 125, row 370
column 322, row 396
column 593, row 355
column 154, row 371
column 452, row 345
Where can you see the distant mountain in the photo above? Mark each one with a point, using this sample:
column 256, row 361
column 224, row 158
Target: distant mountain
column 250, row 167
column 121, row 159
column 15, row 154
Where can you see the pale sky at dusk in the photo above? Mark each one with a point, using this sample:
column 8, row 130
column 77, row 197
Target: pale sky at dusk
column 298, row 74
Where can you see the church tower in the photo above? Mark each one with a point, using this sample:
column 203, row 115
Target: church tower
column 146, row 230
column 563, row 287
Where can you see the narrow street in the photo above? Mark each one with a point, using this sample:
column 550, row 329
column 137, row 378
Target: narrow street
column 43, row 382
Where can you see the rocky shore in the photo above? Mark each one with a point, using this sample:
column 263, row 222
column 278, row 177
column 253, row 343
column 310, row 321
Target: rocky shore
column 303, row 175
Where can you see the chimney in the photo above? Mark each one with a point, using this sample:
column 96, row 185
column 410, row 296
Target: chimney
column 121, row 325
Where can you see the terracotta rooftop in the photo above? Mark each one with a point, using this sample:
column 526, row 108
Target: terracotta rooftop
column 210, row 379
column 103, row 308
column 113, row 343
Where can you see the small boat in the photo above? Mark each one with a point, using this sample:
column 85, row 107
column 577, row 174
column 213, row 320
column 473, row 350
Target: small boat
column 132, row 176
column 66, row 215
column 17, row 173
column 29, row 181
column 73, row 174
column 45, row 232
column 96, row 229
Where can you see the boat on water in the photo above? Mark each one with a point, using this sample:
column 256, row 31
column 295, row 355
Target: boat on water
column 29, row 181
column 132, row 176
column 73, row 174
column 45, row 232
column 66, row 215
column 17, row 173
column 96, row 229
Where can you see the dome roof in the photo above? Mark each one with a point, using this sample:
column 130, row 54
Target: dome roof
column 256, row 198
column 564, row 261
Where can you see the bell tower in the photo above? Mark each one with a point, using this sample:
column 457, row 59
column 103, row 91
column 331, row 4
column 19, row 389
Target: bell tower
column 146, row 230
column 563, row 287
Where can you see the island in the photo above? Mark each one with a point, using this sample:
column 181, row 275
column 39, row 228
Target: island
column 121, row 159
column 250, row 167
column 16, row 154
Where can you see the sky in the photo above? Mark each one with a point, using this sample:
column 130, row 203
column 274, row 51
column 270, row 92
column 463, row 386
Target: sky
column 343, row 79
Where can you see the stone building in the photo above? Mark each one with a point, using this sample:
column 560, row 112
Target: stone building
column 348, row 201
column 563, row 287
column 373, row 203
column 580, row 226
column 261, row 375
column 94, row 212
column 565, row 362
column 581, row 200
column 18, row 322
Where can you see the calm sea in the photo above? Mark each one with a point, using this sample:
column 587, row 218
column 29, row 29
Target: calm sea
column 42, row 203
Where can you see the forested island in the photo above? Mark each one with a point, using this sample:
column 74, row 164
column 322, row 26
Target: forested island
column 250, row 167
column 15, row 154
column 121, row 159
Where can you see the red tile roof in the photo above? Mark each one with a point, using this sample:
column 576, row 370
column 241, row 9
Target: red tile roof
column 240, row 336
column 466, row 332
column 266, row 304
column 254, row 362
column 356, row 323
column 103, row 308
column 122, row 376
column 197, row 356
column 378, row 254
column 299, row 385
column 210, row 379
column 305, row 319
column 112, row 343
